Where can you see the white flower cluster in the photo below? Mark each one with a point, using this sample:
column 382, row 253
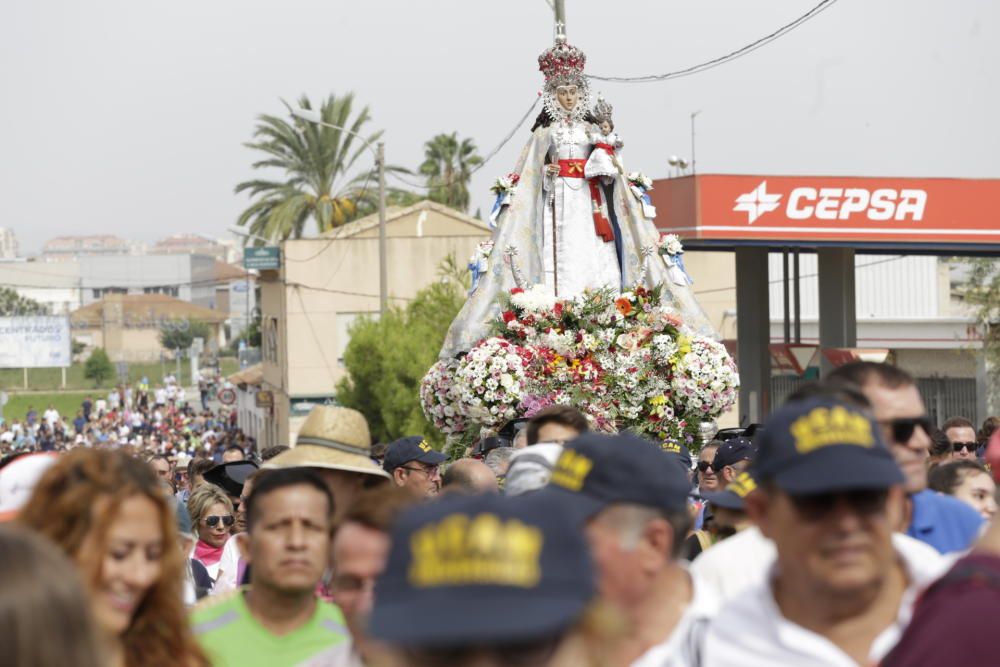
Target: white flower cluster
column 489, row 381
column 537, row 298
column 664, row 349
column 705, row 378
column 671, row 244
column 438, row 396
column 640, row 179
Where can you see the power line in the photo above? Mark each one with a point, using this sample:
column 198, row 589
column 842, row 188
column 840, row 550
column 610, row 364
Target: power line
column 804, row 275
column 479, row 166
column 721, row 60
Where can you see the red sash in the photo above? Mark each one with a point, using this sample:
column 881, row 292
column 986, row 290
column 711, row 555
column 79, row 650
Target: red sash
column 574, row 169
column 608, row 147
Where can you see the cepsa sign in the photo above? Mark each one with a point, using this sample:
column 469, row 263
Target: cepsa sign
column 896, row 210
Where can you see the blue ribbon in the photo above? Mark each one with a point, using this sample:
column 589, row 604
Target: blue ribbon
column 474, row 269
column 495, row 212
column 679, row 261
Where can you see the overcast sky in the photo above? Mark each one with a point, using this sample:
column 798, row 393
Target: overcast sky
column 128, row 116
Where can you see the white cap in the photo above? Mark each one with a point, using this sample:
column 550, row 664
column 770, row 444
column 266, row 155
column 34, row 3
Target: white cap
column 18, row 479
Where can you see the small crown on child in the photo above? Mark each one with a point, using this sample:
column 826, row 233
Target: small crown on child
column 602, row 110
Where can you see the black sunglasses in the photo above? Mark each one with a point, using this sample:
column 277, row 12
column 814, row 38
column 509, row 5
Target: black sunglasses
column 903, row 428
column 704, row 465
column 815, row 507
column 213, row 521
column 971, row 446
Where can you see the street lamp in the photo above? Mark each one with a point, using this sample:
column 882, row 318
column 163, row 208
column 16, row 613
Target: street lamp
column 239, row 231
column 678, row 163
column 313, row 116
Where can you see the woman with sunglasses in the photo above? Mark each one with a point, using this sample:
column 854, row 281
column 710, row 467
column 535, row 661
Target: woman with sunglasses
column 212, row 515
column 110, row 514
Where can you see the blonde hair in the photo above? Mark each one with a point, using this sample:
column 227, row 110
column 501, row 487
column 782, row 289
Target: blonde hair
column 204, row 497
column 78, row 499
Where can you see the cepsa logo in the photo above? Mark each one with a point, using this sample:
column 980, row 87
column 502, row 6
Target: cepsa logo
column 805, row 203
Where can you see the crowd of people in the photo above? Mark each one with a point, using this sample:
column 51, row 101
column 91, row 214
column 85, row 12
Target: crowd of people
column 845, row 530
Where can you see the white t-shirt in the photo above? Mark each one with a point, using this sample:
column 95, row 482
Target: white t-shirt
column 228, row 567
column 751, row 632
column 51, row 416
column 161, row 396
column 736, row 563
column 681, row 647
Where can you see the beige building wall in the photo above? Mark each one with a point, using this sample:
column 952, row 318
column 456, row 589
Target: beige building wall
column 325, row 284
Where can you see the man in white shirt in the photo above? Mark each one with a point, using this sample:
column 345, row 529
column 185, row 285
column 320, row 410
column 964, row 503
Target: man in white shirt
column 842, row 587
column 631, row 497
column 51, row 416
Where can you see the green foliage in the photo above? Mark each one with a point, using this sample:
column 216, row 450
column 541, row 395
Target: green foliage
column 98, row 367
column 179, row 334
column 448, row 165
column 77, row 347
column 12, row 303
column 386, row 359
column 981, row 291
column 314, row 161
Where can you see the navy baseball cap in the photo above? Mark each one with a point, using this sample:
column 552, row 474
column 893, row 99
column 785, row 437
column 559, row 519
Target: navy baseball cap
column 597, row 470
column 679, row 453
column 411, row 448
column 821, row 445
column 732, row 497
column 732, row 451
column 486, row 569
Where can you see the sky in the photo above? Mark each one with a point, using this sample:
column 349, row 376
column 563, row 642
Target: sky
column 128, row 117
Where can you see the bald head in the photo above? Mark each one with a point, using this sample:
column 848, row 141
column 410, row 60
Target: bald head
column 469, row 477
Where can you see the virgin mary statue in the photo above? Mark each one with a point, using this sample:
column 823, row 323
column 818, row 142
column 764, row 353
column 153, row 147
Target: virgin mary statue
column 561, row 229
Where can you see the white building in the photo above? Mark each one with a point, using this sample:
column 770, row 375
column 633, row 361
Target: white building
column 8, row 244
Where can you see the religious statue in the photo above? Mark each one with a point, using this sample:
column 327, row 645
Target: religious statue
column 565, row 228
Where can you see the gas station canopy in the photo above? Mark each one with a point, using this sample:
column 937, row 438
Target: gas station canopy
column 910, row 215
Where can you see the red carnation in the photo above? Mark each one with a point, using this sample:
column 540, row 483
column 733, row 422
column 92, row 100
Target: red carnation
column 516, row 290
column 509, row 316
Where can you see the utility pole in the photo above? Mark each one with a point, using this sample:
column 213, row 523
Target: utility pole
column 693, row 163
column 383, row 288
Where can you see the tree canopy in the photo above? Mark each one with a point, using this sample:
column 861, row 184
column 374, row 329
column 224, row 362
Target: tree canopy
column 448, row 164
column 387, row 358
column 180, row 334
column 12, row 304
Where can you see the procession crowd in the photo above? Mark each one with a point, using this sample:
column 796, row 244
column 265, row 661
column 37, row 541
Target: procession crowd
column 847, row 529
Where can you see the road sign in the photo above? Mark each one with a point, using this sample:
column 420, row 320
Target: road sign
column 262, row 259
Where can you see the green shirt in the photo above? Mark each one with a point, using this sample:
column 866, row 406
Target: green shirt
column 232, row 637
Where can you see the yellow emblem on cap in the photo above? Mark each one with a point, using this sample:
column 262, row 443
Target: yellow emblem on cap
column 672, row 447
column 743, row 485
column 831, row 426
column 424, row 446
column 571, row 470
column 483, row 550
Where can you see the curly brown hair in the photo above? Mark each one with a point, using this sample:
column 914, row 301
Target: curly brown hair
column 76, row 500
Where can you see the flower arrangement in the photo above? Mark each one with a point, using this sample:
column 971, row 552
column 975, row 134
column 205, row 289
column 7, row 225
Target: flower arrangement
column 505, row 184
column 670, row 244
column 626, row 360
column 640, row 180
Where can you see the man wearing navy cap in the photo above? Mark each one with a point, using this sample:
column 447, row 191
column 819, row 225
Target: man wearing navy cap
column 415, row 466
column 843, row 585
column 632, row 498
column 486, row 581
column 732, row 458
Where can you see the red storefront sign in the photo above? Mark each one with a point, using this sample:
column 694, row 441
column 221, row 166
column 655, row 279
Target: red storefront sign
column 826, row 208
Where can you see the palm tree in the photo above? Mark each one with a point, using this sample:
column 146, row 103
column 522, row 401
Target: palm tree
column 315, row 161
column 448, row 165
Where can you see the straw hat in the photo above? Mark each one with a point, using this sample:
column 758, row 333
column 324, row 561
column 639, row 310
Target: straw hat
column 334, row 438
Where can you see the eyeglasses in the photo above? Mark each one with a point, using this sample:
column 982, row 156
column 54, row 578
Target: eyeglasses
column 903, row 428
column 816, row 507
column 535, row 653
column 970, row 446
column 213, row 521
column 704, row 465
column 431, row 471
